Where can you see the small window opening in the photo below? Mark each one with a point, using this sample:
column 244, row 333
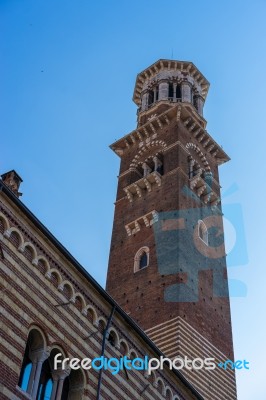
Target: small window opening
column 143, row 262
column 159, row 169
column 157, row 93
column 203, row 232
column 170, row 91
column 111, row 339
column 141, row 259
column 178, row 92
column 150, row 97
column 195, row 102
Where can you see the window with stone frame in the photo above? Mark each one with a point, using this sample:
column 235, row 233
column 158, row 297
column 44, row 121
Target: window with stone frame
column 142, row 259
column 203, row 232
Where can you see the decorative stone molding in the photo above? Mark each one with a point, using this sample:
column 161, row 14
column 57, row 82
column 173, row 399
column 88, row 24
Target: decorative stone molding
column 199, row 153
column 112, row 331
column 205, row 140
column 203, row 190
column 146, row 130
column 129, row 194
column 148, row 185
column 9, row 231
column 146, row 220
column 5, row 222
column 146, row 147
column 29, row 245
column 36, row 260
column 137, row 189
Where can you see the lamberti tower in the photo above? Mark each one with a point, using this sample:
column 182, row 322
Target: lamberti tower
column 167, row 265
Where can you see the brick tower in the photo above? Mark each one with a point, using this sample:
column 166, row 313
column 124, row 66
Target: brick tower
column 167, row 265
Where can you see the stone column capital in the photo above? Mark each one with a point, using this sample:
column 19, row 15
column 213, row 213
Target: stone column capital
column 39, row 355
column 61, row 374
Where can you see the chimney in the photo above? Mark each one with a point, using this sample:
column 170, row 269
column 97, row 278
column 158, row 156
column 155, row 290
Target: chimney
column 12, row 180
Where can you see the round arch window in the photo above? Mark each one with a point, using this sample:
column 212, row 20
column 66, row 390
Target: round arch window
column 142, row 259
column 203, row 232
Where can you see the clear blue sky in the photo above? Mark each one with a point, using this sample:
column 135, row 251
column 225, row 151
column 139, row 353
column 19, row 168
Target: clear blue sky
column 68, row 70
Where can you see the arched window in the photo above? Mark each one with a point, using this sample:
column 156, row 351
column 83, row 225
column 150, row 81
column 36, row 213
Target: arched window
column 170, row 91
column 123, row 348
column 160, row 386
column 33, row 353
column 46, row 381
column 150, row 97
column 29, row 253
column 39, row 379
column 111, row 338
column 26, row 375
column 156, row 91
column 168, row 394
column 73, row 386
column 203, row 232
column 48, row 389
column 15, row 239
column 195, row 101
column 141, row 260
column 178, row 92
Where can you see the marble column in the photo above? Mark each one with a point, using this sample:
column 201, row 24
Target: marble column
column 41, row 357
column 186, row 91
column 163, row 90
column 199, row 104
column 144, row 100
column 32, row 375
column 146, row 169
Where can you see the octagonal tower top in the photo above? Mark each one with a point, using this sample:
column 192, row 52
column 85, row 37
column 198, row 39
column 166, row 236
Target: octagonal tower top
column 170, row 81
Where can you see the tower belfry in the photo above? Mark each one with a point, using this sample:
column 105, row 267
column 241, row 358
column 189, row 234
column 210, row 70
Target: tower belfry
column 167, row 265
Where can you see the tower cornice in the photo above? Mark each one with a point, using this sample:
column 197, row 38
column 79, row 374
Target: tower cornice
column 185, row 68
column 183, row 112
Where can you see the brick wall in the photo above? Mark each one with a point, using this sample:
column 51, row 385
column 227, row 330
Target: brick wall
column 142, row 294
column 36, row 280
